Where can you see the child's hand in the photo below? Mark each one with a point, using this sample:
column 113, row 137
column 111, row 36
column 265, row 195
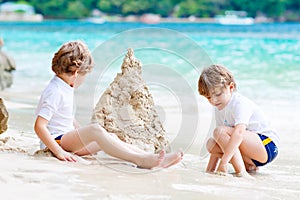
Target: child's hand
column 66, row 156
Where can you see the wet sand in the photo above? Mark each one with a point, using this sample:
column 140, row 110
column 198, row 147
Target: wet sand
column 25, row 176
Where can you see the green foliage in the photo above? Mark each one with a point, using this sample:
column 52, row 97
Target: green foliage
column 275, row 8
column 19, row 11
column 164, row 8
column 113, row 7
column 199, row 8
column 136, row 7
column 23, row 2
column 75, row 9
column 70, row 9
column 52, row 8
column 292, row 10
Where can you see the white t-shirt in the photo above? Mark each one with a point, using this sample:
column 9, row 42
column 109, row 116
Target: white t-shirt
column 56, row 106
column 241, row 110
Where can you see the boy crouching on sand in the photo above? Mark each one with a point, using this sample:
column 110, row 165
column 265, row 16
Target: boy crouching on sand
column 242, row 135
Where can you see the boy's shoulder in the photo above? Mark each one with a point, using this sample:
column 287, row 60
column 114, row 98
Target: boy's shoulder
column 52, row 84
column 58, row 84
column 239, row 99
column 52, row 88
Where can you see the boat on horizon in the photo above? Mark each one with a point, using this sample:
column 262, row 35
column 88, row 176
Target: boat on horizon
column 95, row 20
column 233, row 17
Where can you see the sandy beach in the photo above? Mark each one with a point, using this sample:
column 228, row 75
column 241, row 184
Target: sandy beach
column 26, row 176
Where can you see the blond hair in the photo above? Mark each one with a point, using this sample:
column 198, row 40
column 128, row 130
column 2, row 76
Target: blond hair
column 72, row 56
column 212, row 77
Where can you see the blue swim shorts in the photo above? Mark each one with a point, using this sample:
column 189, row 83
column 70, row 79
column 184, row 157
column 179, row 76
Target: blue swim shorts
column 271, row 148
column 58, row 138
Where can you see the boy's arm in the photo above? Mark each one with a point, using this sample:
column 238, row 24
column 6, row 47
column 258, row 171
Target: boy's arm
column 41, row 130
column 233, row 144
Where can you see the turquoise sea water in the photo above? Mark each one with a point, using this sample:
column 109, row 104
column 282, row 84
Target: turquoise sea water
column 265, row 58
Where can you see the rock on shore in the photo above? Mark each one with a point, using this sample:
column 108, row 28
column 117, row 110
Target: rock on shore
column 3, row 117
column 7, row 65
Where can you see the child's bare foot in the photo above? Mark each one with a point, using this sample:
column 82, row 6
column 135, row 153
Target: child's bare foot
column 252, row 168
column 220, row 173
column 171, row 159
column 152, row 160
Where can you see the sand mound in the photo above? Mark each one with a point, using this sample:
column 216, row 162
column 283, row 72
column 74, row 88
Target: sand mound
column 126, row 109
column 43, row 153
column 9, row 144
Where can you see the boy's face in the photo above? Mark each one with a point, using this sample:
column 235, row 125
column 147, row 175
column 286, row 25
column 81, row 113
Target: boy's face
column 221, row 96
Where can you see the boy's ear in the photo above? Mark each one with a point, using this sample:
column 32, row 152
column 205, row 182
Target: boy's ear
column 231, row 86
column 75, row 72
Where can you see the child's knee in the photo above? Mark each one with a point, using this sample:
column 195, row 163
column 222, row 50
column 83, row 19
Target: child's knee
column 210, row 144
column 219, row 132
column 96, row 128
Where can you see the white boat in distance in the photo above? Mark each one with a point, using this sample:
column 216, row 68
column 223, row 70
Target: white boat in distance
column 10, row 11
column 95, row 20
column 233, row 17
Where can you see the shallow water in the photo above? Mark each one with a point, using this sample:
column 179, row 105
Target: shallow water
column 262, row 54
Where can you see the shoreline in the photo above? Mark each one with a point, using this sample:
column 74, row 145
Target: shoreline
column 137, row 19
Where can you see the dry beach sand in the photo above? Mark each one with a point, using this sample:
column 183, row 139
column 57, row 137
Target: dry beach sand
column 28, row 176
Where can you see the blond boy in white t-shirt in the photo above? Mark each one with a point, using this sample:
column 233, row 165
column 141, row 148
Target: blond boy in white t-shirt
column 55, row 125
column 243, row 136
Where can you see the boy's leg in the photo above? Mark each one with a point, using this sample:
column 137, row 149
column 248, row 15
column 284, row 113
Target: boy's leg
column 78, row 139
column 170, row 158
column 131, row 147
column 222, row 137
column 89, row 149
column 215, row 154
column 212, row 163
column 93, row 148
column 253, row 148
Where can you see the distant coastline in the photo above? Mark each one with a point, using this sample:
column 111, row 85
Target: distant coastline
column 19, row 12
column 191, row 19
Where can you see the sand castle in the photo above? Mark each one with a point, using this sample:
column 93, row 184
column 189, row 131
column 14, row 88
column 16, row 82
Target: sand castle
column 126, row 109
